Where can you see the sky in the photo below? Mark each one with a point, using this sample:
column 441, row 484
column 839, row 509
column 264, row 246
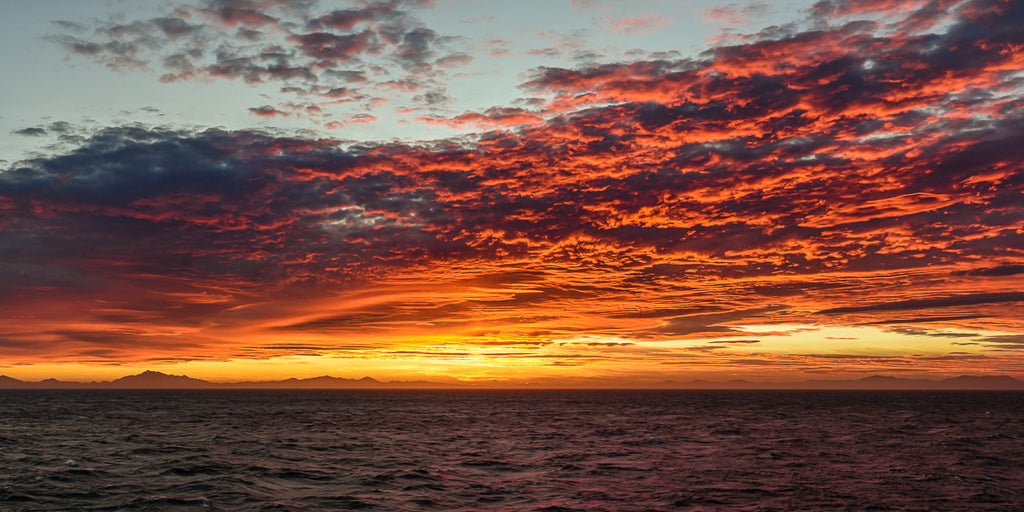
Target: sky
column 577, row 192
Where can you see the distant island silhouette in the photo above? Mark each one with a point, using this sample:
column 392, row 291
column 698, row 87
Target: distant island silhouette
column 156, row 380
column 150, row 379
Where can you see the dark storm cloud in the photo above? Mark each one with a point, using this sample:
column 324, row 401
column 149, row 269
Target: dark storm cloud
column 222, row 201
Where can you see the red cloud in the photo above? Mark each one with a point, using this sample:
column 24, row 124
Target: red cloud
column 357, row 119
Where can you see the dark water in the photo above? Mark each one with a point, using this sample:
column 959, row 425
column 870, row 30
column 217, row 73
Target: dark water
column 509, row 450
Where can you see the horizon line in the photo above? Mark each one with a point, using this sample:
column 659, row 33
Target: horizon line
column 151, row 379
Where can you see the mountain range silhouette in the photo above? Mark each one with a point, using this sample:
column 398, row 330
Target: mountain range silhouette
column 156, row 380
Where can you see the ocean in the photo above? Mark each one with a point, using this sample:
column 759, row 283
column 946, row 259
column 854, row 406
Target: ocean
column 552, row 451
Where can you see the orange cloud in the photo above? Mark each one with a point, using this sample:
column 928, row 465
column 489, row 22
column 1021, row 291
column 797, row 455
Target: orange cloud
column 652, row 216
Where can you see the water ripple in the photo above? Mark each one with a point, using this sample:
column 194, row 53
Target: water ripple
column 290, row 451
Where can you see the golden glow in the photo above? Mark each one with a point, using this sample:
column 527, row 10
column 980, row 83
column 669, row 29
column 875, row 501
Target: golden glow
column 765, row 353
column 796, row 203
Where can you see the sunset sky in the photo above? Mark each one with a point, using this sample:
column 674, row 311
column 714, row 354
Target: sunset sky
column 557, row 191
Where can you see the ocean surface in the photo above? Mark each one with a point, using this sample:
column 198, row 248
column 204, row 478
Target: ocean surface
column 511, row 450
